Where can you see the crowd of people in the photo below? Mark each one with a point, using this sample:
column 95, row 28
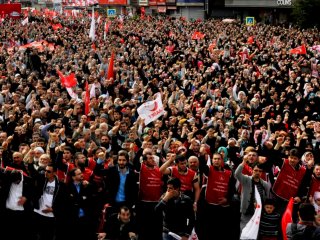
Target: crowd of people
column 241, row 117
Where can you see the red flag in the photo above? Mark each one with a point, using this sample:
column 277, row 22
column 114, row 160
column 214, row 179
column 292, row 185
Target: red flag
column 197, row 36
column 93, row 46
column 57, row 26
column 286, row 218
column 110, row 68
column 250, row 40
column 67, row 81
column 87, row 100
column 299, row 50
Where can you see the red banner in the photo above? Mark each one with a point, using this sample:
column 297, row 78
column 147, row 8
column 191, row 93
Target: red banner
column 12, row 10
column 113, row 2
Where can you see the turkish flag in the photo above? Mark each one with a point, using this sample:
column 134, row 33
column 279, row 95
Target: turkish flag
column 286, row 218
column 250, row 40
column 87, row 100
column 57, row 26
column 110, row 68
column 299, row 50
column 197, row 36
column 67, row 81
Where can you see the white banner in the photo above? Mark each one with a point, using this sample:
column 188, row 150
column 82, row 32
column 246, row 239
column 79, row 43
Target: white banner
column 250, row 231
column 151, row 110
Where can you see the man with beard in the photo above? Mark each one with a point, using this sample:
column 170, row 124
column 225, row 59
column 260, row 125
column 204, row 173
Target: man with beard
column 121, row 183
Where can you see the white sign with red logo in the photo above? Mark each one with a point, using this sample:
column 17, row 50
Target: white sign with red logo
column 151, row 110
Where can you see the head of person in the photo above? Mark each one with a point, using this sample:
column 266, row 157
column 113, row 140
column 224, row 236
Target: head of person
column 193, row 163
column 17, row 158
column 269, row 205
column 148, row 160
column 50, row 171
column 252, row 157
column 124, row 214
column 80, row 160
column 316, row 170
column 257, row 171
column 306, row 212
column 294, row 157
column 67, row 153
column 44, row 160
column 123, row 159
column 181, row 162
column 174, row 184
column 76, row 175
column 217, row 160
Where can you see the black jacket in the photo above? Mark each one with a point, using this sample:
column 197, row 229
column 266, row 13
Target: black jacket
column 113, row 182
column 5, row 185
column 117, row 230
column 59, row 205
column 178, row 215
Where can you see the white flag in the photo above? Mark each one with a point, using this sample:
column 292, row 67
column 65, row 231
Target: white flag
column 25, row 21
column 92, row 33
column 250, row 231
column 193, row 235
column 151, row 110
column 93, row 91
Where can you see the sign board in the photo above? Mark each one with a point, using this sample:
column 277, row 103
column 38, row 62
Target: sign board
column 111, row 12
column 250, row 21
column 284, row 2
column 12, row 10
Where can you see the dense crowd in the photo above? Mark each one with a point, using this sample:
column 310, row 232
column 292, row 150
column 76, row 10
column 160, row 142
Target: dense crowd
column 241, row 117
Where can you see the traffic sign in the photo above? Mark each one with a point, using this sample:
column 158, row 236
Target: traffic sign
column 112, row 12
column 250, row 21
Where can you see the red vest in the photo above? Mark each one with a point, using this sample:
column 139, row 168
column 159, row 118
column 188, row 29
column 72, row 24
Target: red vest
column 186, row 179
column 91, row 163
column 314, row 186
column 218, row 185
column 62, row 176
column 150, row 184
column 288, row 181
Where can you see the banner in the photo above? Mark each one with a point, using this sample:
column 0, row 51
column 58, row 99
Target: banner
column 251, row 230
column 151, row 110
column 12, row 10
column 113, row 2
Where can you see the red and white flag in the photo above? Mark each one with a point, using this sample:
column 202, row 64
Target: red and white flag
column 251, row 230
column 286, row 218
column 151, row 110
column 25, row 21
column 299, row 50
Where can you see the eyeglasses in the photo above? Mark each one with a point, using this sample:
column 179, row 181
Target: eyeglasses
column 48, row 171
